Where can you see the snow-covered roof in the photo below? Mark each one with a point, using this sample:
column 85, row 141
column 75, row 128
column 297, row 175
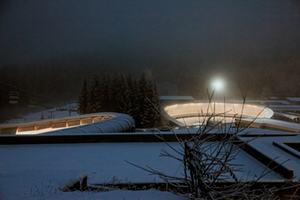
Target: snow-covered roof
column 37, row 171
column 275, row 148
column 293, row 113
column 290, row 116
column 285, row 107
column 49, row 167
column 273, row 124
column 266, row 101
column 284, row 102
column 293, row 98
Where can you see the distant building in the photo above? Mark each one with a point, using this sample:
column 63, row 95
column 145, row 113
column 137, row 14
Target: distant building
column 266, row 102
column 294, row 100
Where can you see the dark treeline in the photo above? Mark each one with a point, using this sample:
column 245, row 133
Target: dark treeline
column 57, row 81
column 122, row 94
column 262, row 77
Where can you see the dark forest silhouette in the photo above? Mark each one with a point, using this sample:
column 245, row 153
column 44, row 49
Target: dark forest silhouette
column 137, row 98
column 57, row 81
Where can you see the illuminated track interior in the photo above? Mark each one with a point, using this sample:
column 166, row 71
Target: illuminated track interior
column 196, row 113
column 89, row 123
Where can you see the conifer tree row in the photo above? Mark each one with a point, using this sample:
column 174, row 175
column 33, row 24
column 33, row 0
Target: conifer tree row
column 137, row 98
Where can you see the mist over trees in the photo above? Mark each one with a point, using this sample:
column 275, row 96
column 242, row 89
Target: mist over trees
column 137, row 98
column 180, row 75
column 57, row 81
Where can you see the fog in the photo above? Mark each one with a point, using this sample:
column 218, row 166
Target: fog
column 48, row 47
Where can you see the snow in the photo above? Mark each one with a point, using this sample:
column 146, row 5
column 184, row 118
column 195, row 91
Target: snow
column 56, row 114
column 293, row 98
column 112, row 195
column 267, row 101
column 273, row 123
column 38, row 171
column 27, row 170
column 284, row 108
column 266, row 146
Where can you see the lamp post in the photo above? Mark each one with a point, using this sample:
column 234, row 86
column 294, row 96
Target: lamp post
column 217, row 86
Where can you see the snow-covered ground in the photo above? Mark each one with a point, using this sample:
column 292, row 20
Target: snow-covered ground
column 266, row 146
column 38, row 171
column 47, row 114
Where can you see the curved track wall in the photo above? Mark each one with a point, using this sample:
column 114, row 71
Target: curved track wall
column 231, row 109
column 117, row 123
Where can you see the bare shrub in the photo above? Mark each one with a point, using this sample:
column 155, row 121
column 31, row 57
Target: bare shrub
column 208, row 161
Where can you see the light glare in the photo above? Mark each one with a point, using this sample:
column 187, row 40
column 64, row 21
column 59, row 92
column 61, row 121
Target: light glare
column 218, row 84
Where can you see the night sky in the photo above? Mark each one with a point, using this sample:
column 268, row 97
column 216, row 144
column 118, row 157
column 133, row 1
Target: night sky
column 180, row 40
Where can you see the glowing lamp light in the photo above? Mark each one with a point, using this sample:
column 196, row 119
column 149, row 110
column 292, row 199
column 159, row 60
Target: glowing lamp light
column 218, row 84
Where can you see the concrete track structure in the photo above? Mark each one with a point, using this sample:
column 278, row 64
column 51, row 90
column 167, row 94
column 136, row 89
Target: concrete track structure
column 82, row 124
column 175, row 113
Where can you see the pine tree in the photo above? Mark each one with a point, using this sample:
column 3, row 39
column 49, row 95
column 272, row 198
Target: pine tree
column 135, row 102
column 95, row 97
column 83, row 99
column 114, row 92
column 157, row 104
column 124, row 103
column 111, row 106
column 153, row 114
column 106, row 94
column 133, row 96
column 138, row 99
column 143, row 102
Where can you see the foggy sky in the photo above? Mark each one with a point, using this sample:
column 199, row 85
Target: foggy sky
column 180, row 40
column 39, row 30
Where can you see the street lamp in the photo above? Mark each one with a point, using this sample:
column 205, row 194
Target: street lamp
column 218, row 85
